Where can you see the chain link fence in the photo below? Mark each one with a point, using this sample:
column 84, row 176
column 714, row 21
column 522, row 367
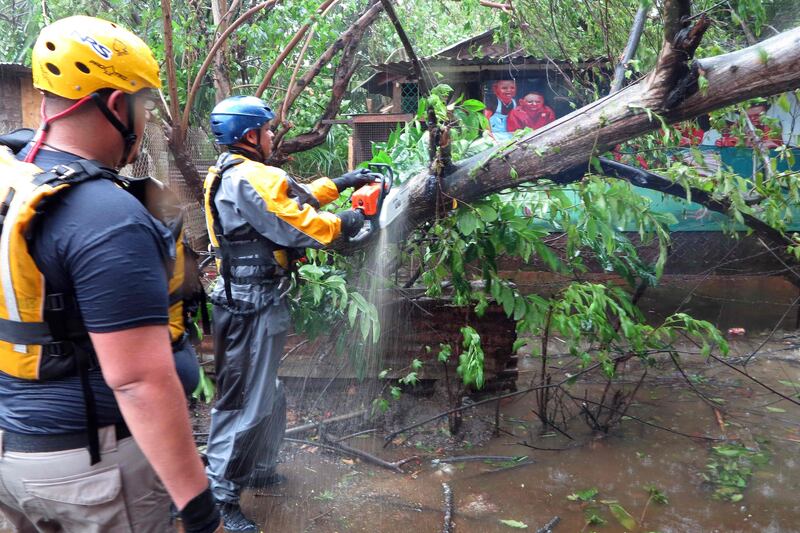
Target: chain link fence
column 156, row 161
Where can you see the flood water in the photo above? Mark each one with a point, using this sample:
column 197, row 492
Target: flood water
column 328, row 493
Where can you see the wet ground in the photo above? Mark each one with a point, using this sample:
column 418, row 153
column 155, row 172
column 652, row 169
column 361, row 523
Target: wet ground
column 665, row 446
column 330, row 493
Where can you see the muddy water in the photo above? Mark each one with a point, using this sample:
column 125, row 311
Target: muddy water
column 328, row 494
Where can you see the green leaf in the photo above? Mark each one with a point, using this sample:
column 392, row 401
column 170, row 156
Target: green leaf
column 352, row 311
column 467, row 222
column 775, row 409
column 516, row 524
column 519, row 343
column 622, row 516
column 487, row 213
column 783, row 103
column 586, row 495
column 473, row 105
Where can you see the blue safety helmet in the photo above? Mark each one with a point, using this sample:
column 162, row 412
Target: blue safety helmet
column 235, row 116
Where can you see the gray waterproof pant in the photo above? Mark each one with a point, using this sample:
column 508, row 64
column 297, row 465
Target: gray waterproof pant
column 249, row 418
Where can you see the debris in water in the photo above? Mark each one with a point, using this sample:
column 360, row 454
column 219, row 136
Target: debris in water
column 448, row 508
column 548, row 527
column 516, row 524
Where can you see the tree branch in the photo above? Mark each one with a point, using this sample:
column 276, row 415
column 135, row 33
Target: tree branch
column 184, row 124
column 354, row 32
column 630, row 49
column 169, row 59
column 291, row 46
column 351, row 40
column 401, row 34
column 573, row 140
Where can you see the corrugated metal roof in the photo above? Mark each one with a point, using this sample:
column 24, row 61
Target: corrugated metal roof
column 13, row 68
column 477, row 51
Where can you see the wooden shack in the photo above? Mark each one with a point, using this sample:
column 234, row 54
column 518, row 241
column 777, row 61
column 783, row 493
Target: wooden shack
column 470, row 67
column 20, row 102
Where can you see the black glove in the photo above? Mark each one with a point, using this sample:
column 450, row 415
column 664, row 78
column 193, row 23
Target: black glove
column 352, row 222
column 201, row 514
column 356, row 178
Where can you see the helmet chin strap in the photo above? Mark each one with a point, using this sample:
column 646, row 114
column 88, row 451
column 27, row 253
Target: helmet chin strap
column 255, row 146
column 128, row 132
column 41, row 133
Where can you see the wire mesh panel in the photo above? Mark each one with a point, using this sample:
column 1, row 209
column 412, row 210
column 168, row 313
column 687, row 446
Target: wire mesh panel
column 156, row 161
column 368, row 129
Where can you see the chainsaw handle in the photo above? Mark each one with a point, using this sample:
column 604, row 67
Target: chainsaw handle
column 386, row 171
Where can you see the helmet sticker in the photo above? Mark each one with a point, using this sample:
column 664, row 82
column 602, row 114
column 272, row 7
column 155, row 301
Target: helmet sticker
column 98, row 48
column 109, row 70
column 120, row 48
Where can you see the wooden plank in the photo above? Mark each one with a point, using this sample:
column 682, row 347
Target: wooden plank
column 351, row 153
column 30, row 102
column 382, row 118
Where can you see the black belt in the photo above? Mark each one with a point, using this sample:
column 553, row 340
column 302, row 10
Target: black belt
column 19, row 442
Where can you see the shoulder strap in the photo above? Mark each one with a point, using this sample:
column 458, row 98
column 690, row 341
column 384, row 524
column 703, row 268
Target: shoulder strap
column 227, row 163
column 76, row 172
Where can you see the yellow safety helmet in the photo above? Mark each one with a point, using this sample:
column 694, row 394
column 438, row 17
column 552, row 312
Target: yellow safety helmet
column 76, row 56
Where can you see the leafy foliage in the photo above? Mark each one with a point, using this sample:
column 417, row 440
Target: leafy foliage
column 730, row 468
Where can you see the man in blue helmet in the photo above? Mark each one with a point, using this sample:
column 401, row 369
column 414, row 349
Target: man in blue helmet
column 258, row 220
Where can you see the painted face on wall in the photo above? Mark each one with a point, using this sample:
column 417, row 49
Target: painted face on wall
column 755, row 113
column 534, row 101
column 505, row 90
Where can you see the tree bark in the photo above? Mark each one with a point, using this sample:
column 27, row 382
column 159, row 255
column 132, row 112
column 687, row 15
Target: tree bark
column 222, row 82
column 769, row 68
column 169, row 60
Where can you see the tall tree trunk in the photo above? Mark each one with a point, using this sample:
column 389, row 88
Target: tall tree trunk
column 222, row 83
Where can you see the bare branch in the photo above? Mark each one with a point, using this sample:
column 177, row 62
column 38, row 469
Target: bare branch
column 630, row 49
column 349, row 43
column 401, row 34
column 505, row 8
column 184, row 126
column 169, row 59
column 291, row 46
column 355, row 31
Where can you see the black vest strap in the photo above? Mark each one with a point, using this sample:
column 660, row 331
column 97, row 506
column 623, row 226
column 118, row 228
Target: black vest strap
column 248, row 250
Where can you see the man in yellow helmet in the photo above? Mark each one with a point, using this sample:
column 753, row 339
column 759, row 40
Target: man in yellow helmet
column 94, row 427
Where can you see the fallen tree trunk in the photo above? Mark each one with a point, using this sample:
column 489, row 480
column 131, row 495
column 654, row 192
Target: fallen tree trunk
column 771, row 67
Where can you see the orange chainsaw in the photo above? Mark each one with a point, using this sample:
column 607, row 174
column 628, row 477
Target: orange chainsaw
column 369, row 199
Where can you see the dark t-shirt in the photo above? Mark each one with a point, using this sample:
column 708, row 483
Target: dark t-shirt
column 98, row 242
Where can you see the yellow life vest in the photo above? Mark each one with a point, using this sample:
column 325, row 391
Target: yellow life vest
column 35, row 330
column 162, row 203
column 248, row 250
